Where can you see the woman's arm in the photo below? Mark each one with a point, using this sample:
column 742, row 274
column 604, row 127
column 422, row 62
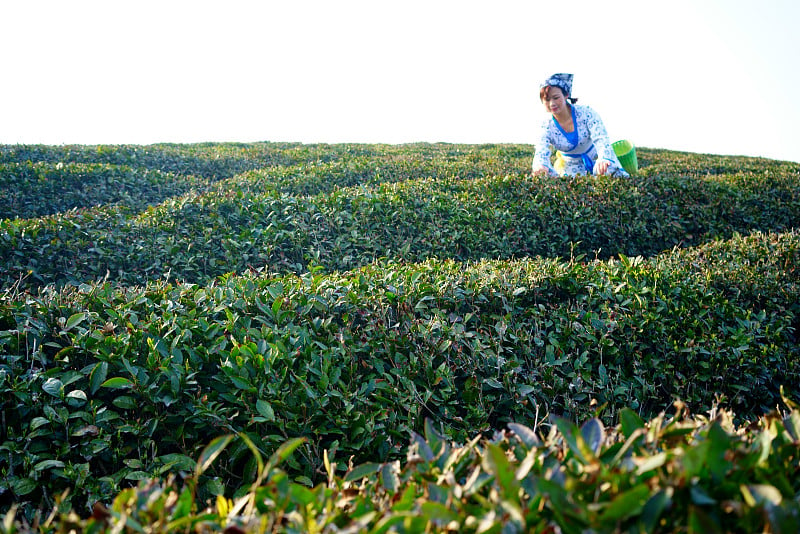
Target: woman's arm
column 542, row 151
column 597, row 131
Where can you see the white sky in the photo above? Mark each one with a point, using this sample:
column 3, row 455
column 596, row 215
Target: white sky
column 715, row 76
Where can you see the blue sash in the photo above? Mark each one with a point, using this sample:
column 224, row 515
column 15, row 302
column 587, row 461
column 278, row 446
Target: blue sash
column 573, row 138
column 588, row 164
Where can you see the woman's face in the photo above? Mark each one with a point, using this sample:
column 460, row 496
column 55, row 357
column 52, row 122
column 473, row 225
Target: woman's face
column 554, row 101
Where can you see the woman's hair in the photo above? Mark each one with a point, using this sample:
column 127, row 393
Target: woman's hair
column 544, row 92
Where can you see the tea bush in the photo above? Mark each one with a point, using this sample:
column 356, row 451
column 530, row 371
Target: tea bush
column 112, row 384
column 671, row 474
column 206, row 161
column 453, row 213
column 330, row 298
column 79, row 186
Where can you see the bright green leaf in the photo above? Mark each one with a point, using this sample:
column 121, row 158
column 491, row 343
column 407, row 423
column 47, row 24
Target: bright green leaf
column 434, row 511
column 211, row 452
column 117, row 383
column 630, row 421
column 648, row 463
column 74, row 321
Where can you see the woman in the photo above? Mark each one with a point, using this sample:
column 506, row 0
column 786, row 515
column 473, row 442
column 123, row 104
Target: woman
column 577, row 132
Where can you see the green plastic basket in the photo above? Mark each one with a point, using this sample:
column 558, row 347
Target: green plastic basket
column 626, row 154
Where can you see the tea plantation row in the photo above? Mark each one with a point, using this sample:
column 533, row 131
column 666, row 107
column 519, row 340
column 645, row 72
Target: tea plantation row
column 670, row 474
column 346, row 213
column 111, row 384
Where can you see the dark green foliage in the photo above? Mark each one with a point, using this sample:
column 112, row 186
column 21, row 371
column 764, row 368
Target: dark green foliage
column 671, row 474
column 208, row 161
column 115, row 382
column 459, row 204
column 342, row 294
column 84, row 185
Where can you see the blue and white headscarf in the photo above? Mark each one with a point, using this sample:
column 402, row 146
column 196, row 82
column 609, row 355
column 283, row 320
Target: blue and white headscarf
column 561, row 80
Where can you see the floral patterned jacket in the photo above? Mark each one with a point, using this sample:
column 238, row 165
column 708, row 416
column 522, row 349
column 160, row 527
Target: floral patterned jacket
column 580, row 148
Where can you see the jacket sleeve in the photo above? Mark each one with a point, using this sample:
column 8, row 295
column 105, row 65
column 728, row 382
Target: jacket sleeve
column 597, row 130
column 543, row 149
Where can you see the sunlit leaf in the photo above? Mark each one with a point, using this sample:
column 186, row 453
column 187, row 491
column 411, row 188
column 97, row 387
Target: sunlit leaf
column 525, row 434
column 761, row 494
column 434, row 511
column 74, row 320
column 118, row 382
column 211, row 452
column 593, row 433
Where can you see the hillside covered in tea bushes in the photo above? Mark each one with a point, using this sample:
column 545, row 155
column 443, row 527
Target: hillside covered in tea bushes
column 102, row 214
column 334, row 301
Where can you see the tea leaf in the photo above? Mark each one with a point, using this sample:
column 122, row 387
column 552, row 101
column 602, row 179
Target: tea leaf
column 265, row 409
column 361, row 471
column 792, row 425
column 284, row 451
column 654, row 508
column 98, row 376
column 593, row 434
column 761, row 494
column 53, row 386
column 47, row 464
column 211, row 452
column 117, row 383
column 574, row 439
column 627, row 504
column 434, row 511
column 525, row 434
column 74, row 320
column 390, row 476
column 630, row 421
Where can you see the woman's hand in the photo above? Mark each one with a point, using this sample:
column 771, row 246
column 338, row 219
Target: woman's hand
column 601, row 166
column 540, row 170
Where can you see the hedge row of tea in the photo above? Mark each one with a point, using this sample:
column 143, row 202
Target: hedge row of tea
column 218, row 161
column 212, row 161
column 45, row 180
column 676, row 474
column 157, row 297
column 24, row 186
column 348, row 212
column 110, row 385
